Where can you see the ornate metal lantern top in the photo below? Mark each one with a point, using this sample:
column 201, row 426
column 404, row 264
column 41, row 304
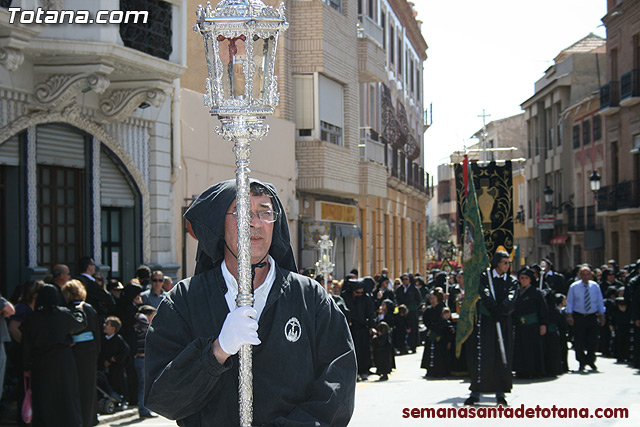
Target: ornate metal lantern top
column 240, row 39
column 324, row 265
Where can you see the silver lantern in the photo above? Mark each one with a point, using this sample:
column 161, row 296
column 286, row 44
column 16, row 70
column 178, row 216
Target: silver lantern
column 324, row 265
column 240, row 39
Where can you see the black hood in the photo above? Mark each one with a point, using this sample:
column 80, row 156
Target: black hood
column 206, row 216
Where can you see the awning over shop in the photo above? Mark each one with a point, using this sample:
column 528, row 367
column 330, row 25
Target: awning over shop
column 559, row 240
column 348, row 230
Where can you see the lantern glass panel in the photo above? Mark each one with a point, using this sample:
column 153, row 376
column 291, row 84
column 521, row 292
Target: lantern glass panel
column 262, row 52
column 233, row 54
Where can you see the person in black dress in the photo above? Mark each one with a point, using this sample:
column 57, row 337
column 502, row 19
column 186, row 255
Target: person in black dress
column 382, row 350
column 49, row 361
column 530, row 317
column 86, row 346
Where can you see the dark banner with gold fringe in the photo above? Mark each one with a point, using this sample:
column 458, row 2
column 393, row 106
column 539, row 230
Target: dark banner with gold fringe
column 494, row 188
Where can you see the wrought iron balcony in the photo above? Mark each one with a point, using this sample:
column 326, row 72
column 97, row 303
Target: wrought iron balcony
column 630, row 88
column 623, row 195
column 610, row 97
column 153, row 37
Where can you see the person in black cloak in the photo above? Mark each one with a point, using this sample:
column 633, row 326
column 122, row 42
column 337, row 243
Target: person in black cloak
column 304, row 365
column 86, row 346
column 49, row 361
column 498, row 292
column 382, row 350
column 531, row 318
column 362, row 323
column 435, row 357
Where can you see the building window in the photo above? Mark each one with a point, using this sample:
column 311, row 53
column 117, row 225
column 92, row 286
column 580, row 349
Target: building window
column 383, row 24
column 60, row 219
column 550, row 138
column 559, row 134
column 331, row 110
column 586, row 132
column 399, row 57
column 597, row 128
column 529, row 148
column 392, row 51
column 576, row 136
column 336, row 4
column 304, row 104
column 111, row 223
column 152, row 37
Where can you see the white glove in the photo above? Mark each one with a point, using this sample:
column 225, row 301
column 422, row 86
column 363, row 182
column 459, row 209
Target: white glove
column 240, row 327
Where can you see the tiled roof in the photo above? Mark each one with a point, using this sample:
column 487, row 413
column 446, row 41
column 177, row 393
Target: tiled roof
column 584, row 45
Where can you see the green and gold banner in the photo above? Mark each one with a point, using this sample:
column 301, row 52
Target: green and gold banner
column 494, row 188
column 474, row 257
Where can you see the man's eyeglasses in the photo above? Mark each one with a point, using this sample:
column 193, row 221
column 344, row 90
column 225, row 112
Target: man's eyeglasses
column 505, row 262
column 157, row 280
column 264, row 216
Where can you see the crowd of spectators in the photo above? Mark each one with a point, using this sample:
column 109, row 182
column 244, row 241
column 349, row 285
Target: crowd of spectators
column 78, row 343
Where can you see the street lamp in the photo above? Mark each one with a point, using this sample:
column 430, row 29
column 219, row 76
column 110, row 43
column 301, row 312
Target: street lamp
column 324, row 264
column 594, row 181
column 548, row 197
column 240, row 39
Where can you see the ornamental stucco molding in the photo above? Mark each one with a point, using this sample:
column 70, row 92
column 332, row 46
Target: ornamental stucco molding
column 11, row 58
column 59, row 90
column 73, row 116
column 119, row 104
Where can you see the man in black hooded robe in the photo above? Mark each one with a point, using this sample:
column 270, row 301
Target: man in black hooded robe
column 304, row 367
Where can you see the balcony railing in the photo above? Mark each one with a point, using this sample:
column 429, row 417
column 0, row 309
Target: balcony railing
column 623, row 195
column 371, row 149
column 610, row 95
column 153, row 37
column 630, row 85
column 368, row 28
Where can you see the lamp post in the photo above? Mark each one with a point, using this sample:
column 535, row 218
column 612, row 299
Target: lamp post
column 594, row 182
column 240, row 39
column 548, row 198
column 324, row 264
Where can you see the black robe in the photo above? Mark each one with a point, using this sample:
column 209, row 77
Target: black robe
column 436, row 350
column 487, row 371
column 382, row 354
column 529, row 313
column 363, row 319
column 304, row 370
column 86, row 356
column 46, row 340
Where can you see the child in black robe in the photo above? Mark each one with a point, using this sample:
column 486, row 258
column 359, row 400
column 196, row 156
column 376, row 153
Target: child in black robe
column 114, row 355
column 382, row 351
column 439, row 344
